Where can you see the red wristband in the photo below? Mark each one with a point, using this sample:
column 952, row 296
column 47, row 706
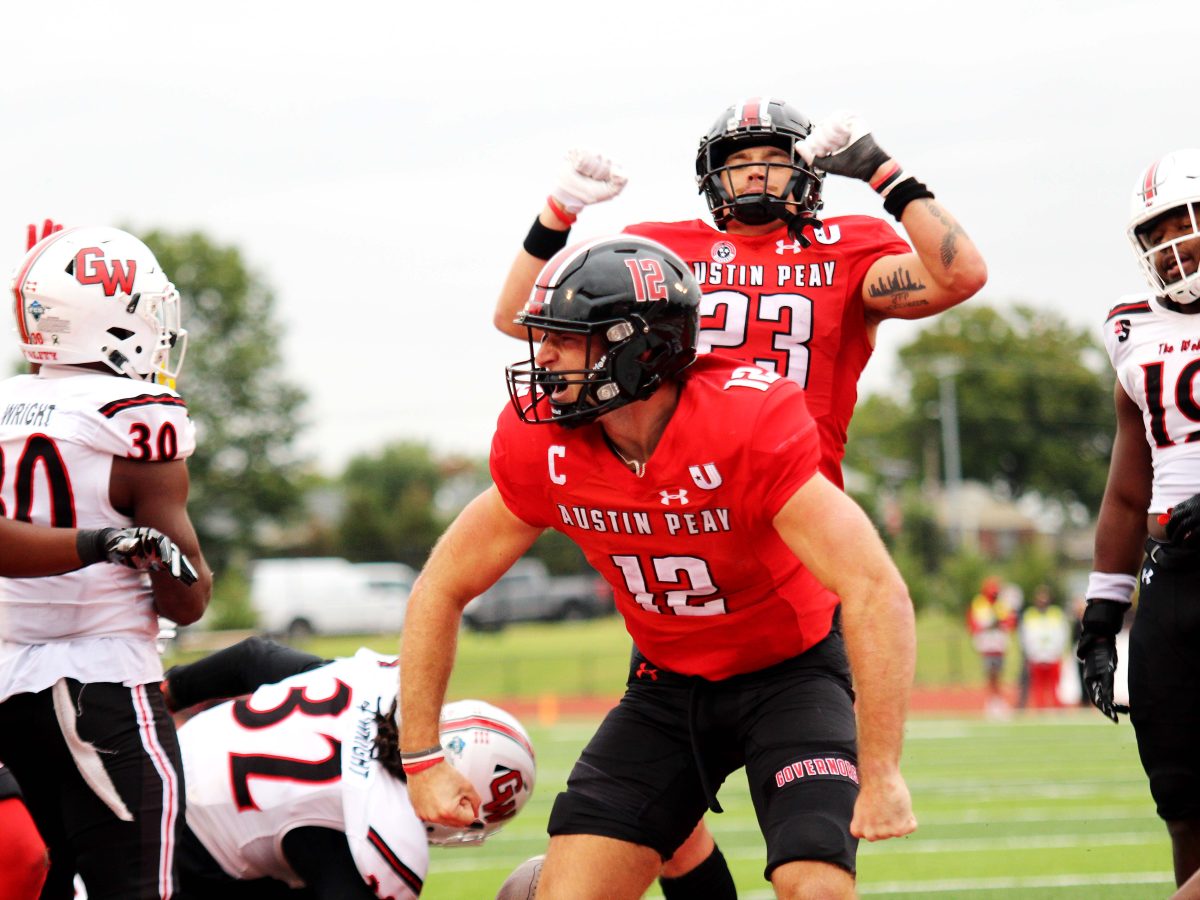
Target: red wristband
column 560, row 212
column 414, row 768
column 890, row 176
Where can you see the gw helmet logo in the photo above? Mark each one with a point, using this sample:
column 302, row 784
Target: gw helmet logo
column 92, row 268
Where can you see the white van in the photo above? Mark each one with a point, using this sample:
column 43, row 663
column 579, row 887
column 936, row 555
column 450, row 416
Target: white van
column 325, row 595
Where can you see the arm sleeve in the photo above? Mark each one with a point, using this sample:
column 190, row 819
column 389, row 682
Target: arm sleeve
column 235, row 671
column 321, row 856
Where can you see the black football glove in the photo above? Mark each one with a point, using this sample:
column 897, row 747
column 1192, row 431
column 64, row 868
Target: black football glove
column 141, row 548
column 1183, row 527
column 842, row 144
column 1097, row 651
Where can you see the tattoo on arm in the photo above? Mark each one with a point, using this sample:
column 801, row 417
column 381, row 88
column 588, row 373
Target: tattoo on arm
column 898, row 285
column 948, row 249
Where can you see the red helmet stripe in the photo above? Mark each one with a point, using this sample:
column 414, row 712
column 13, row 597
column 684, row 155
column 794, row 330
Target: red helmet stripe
column 18, row 284
column 750, row 112
column 490, row 725
column 1148, row 184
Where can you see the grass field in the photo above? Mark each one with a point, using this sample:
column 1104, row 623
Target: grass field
column 1046, row 807
column 1052, row 806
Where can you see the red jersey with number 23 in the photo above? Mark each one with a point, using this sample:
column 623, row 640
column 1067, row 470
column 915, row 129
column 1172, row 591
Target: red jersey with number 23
column 705, row 584
column 793, row 310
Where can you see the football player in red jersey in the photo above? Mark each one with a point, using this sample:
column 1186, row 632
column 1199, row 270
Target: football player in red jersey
column 782, row 289
column 1149, row 520
column 693, row 486
column 94, row 438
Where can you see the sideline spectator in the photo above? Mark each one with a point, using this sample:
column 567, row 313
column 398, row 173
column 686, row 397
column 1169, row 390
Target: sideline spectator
column 1043, row 634
column 991, row 620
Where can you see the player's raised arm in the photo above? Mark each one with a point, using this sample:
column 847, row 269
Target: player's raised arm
column 586, row 177
column 946, row 269
column 478, row 547
column 833, row 537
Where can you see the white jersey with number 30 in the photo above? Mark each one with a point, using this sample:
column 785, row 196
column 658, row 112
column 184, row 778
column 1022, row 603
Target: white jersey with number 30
column 60, row 431
column 299, row 753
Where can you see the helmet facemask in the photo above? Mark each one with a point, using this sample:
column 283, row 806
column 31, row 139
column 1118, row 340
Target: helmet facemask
column 772, row 124
column 1184, row 248
column 618, row 376
column 156, row 352
column 1164, row 227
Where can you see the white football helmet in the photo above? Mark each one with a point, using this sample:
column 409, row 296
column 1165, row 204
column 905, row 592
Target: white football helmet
column 491, row 748
column 1172, row 183
column 97, row 294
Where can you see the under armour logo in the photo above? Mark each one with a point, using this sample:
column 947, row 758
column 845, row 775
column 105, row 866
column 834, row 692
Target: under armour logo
column 667, row 497
column 644, row 669
column 781, row 245
column 1147, row 574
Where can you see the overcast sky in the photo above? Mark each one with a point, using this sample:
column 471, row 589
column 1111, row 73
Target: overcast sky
column 379, row 164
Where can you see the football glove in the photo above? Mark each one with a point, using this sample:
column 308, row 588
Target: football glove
column 1183, row 526
column 141, row 548
column 842, row 144
column 586, row 178
column 49, row 227
column 1097, row 651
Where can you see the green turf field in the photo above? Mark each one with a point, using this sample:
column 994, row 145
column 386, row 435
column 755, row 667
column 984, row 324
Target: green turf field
column 1039, row 807
column 1044, row 807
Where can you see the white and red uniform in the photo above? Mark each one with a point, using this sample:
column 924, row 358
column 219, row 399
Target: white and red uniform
column 796, row 311
column 81, row 717
column 299, row 753
column 704, row 582
column 59, row 433
column 1156, row 355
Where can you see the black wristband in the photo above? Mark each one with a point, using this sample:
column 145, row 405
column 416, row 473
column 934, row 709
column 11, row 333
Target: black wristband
column 543, row 242
column 903, row 194
column 1103, row 617
column 89, row 544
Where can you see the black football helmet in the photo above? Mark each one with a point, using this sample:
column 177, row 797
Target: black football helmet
column 639, row 306
column 752, row 123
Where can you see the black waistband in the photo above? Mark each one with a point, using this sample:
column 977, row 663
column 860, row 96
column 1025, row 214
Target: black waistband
column 1169, row 556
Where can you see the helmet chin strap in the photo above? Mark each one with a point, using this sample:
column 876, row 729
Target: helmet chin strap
column 796, row 225
column 767, row 208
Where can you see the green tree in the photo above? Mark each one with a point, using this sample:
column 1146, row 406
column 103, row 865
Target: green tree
column 245, row 471
column 390, row 512
column 1034, row 401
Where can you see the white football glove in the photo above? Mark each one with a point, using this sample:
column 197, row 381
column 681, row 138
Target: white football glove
column 841, row 144
column 586, row 178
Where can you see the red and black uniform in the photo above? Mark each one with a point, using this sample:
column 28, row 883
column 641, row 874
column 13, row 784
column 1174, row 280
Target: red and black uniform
column 793, row 310
column 736, row 636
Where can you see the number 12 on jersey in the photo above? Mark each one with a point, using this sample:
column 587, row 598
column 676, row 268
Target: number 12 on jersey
column 689, row 574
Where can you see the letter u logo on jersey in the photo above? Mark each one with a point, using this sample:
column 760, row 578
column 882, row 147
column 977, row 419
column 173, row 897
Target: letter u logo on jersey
column 706, row 477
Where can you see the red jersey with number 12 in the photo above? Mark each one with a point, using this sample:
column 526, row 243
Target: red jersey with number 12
column 703, row 580
column 794, row 310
